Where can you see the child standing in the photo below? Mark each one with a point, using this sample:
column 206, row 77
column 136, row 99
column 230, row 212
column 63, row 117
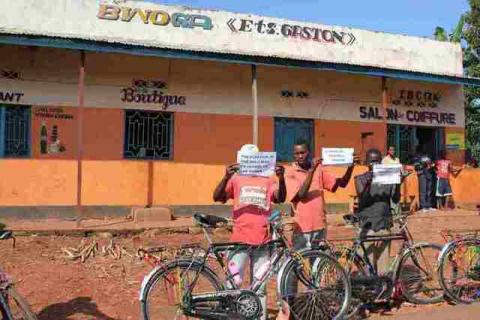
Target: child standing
column 444, row 190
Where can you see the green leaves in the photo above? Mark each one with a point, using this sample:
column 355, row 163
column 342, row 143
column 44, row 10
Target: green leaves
column 468, row 30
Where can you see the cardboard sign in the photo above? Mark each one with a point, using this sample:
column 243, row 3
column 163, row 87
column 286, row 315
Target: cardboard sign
column 387, row 173
column 260, row 164
column 337, row 156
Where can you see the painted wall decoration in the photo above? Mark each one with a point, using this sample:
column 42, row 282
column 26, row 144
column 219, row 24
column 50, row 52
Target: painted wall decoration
column 417, row 98
column 11, row 96
column 154, row 17
column 294, row 94
column 417, row 106
column 151, row 92
column 10, row 74
column 413, row 117
column 53, row 132
column 288, row 30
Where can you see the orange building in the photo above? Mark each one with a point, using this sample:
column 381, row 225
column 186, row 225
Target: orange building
column 110, row 107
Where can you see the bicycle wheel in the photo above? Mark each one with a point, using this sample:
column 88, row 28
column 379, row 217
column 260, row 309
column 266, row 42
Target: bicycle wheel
column 355, row 267
column 316, row 288
column 19, row 308
column 418, row 276
column 164, row 290
column 459, row 271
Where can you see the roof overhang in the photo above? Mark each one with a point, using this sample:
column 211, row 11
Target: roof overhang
column 107, row 47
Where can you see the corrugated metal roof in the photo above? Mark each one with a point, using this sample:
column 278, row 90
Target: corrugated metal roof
column 231, row 58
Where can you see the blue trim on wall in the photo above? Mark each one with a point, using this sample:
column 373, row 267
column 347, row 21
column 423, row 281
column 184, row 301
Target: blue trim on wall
column 87, row 45
column 2, row 131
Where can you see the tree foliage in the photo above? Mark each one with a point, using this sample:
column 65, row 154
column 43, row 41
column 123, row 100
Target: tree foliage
column 467, row 32
column 471, row 35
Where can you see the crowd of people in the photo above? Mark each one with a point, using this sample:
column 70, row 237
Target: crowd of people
column 304, row 183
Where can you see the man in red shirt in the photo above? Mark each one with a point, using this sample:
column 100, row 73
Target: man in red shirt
column 252, row 204
column 306, row 183
column 444, row 190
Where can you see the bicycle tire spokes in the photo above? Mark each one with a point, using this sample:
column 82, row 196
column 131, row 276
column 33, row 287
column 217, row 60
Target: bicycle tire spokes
column 317, row 291
column 464, row 266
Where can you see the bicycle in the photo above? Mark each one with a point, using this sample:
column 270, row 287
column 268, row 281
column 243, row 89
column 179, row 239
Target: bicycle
column 411, row 275
column 459, row 266
column 12, row 305
column 188, row 286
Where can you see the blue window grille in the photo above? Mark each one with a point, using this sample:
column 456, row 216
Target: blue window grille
column 288, row 131
column 15, row 131
column 148, row 135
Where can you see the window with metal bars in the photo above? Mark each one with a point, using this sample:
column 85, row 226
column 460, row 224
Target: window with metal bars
column 15, row 123
column 148, row 135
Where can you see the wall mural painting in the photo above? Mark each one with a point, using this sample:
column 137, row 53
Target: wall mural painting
column 53, row 131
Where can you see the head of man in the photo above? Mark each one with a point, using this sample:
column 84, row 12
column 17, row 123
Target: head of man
column 372, row 157
column 391, row 151
column 301, row 153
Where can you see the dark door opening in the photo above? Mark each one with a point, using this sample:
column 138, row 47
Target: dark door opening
column 410, row 140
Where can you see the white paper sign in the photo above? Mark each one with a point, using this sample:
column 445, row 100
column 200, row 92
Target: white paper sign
column 258, row 164
column 387, row 173
column 333, row 156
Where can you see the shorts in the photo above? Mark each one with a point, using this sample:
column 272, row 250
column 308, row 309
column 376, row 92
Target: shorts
column 443, row 188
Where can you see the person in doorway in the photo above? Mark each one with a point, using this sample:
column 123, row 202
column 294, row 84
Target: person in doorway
column 391, row 158
column 443, row 168
column 374, row 210
column 307, row 181
column 252, row 204
column 423, row 167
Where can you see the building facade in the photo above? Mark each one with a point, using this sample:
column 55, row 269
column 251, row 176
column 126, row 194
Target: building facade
column 141, row 104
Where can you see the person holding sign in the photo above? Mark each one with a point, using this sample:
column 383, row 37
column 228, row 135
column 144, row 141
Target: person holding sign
column 306, row 182
column 374, row 208
column 252, row 197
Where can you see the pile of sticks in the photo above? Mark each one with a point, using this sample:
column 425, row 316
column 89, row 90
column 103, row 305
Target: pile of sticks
column 92, row 249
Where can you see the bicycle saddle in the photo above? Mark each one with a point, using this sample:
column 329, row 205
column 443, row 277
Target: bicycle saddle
column 351, row 219
column 5, row 234
column 209, row 221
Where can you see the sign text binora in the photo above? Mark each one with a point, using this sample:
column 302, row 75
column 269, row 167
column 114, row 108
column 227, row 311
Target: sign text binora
column 154, row 17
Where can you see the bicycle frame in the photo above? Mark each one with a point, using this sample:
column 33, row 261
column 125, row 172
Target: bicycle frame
column 407, row 246
column 280, row 248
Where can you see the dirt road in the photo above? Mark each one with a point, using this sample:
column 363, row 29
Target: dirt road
column 104, row 288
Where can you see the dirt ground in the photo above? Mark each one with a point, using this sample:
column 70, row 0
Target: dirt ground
column 105, row 288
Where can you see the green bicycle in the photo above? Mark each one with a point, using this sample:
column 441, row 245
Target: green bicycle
column 312, row 282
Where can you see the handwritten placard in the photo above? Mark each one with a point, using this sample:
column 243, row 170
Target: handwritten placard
column 337, row 156
column 387, row 173
column 260, row 164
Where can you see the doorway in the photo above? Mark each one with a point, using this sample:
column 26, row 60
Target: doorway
column 409, row 140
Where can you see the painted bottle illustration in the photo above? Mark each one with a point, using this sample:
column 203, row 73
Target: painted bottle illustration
column 54, row 136
column 43, row 138
column 54, row 146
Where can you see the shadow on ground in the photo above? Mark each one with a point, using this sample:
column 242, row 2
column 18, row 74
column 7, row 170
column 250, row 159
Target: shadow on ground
column 80, row 305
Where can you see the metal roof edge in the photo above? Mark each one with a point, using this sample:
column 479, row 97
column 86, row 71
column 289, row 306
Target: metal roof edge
column 88, row 45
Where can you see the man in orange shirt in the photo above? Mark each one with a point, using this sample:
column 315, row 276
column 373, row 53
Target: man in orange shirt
column 306, row 183
column 252, row 204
